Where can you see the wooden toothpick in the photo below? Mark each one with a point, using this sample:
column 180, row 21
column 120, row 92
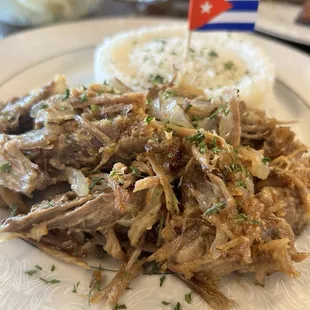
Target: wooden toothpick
column 187, row 44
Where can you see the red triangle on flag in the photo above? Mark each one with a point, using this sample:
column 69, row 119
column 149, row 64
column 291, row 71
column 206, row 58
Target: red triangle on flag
column 202, row 11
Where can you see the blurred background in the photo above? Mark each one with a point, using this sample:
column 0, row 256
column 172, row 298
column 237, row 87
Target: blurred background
column 20, row 15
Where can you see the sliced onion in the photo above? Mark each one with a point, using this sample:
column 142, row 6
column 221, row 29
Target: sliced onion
column 220, row 239
column 78, row 181
column 169, row 110
column 257, row 167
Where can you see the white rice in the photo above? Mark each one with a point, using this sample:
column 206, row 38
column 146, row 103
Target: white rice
column 216, row 62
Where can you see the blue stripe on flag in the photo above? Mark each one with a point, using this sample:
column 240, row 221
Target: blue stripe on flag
column 229, row 26
column 244, row 6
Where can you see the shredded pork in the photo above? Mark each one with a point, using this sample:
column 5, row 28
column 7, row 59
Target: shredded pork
column 227, row 193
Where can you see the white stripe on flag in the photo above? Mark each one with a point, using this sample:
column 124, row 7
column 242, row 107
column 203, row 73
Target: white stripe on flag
column 233, row 17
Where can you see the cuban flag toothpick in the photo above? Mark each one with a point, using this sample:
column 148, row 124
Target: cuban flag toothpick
column 237, row 15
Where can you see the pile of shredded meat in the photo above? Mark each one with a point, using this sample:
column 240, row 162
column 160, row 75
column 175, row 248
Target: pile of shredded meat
column 200, row 187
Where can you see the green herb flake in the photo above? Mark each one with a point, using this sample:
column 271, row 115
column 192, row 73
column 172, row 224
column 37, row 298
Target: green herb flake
column 134, row 171
column 148, row 119
column 52, row 281
column 170, row 155
column 120, row 307
column 178, row 306
column 66, row 95
column 169, row 93
column 241, row 217
column 148, row 101
column 202, row 146
column 229, row 65
column 50, row 204
column 222, row 109
column 53, row 268
column 162, row 280
column 112, row 173
column 197, row 138
column 165, row 303
column 128, row 288
column 94, row 107
column 96, row 181
column 256, row 222
column 74, row 289
column 212, row 54
column 266, row 160
column 5, row 167
column 156, row 79
column 31, row 272
column 188, row 297
column 83, row 97
column 215, row 150
column 240, row 183
column 216, row 208
column 43, row 106
column 14, row 209
column 38, row 267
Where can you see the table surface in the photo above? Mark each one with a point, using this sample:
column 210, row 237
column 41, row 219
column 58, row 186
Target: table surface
column 119, row 8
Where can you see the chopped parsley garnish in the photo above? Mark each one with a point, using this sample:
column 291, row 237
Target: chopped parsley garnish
column 134, row 171
column 53, row 268
column 31, row 271
column 178, row 306
column 94, row 107
column 222, row 109
column 215, row 150
column 241, row 217
column 228, row 65
column 165, row 303
column 112, row 173
column 202, row 147
column 83, row 97
column 169, row 93
column 66, row 95
column 212, row 54
column 50, row 204
column 148, row 101
column 14, row 209
column 240, row 183
column 75, row 287
column 170, row 155
column 148, row 119
column 156, row 79
column 43, row 106
column 256, row 222
column 197, row 138
column 120, row 307
column 38, row 267
column 162, row 280
column 5, row 167
column 188, row 297
column 95, row 182
column 266, row 160
column 216, row 208
column 52, row 281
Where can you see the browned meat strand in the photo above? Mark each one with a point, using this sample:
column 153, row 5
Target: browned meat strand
column 227, row 194
column 15, row 113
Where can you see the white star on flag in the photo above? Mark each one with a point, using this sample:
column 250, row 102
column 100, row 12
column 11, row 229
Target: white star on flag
column 206, row 7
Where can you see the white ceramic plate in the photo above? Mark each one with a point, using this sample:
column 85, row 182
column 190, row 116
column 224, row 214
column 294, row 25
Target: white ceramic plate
column 279, row 20
column 31, row 59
